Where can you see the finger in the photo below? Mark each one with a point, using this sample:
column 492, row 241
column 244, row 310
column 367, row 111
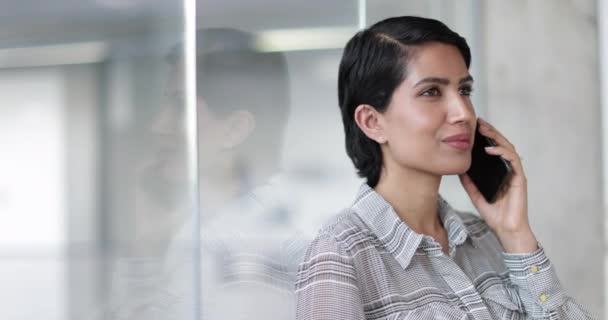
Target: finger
column 510, row 156
column 489, row 131
column 476, row 197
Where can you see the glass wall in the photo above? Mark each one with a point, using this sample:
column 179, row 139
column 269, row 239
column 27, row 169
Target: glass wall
column 271, row 162
column 96, row 122
column 274, row 167
column 156, row 169
column 90, row 184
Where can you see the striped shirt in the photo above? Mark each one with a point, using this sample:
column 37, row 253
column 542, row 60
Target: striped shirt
column 366, row 263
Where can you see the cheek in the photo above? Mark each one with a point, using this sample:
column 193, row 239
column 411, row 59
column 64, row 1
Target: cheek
column 418, row 123
column 414, row 135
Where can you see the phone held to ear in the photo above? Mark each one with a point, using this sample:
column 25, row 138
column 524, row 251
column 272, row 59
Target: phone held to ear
column 490, row 173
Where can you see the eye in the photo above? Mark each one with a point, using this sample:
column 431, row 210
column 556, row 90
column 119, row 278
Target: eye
column 466, row 91
column 432, row 92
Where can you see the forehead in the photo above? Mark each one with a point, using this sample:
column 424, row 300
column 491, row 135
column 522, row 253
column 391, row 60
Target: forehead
column 435, row 59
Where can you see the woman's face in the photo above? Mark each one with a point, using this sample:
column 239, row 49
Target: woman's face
column 431, row 105
column 169, row 158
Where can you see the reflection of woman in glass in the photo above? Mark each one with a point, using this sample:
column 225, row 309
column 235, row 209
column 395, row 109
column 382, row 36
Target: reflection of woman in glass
column 246, row 243
column 400, row 251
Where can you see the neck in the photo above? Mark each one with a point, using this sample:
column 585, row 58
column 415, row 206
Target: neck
column 413, row 195
column 223, row 186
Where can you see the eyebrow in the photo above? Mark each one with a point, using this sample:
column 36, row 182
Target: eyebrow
column 442, row 81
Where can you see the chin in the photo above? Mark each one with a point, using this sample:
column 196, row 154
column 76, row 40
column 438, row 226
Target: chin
column 457, row 168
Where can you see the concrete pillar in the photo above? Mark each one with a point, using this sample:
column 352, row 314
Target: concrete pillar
column 543, row 93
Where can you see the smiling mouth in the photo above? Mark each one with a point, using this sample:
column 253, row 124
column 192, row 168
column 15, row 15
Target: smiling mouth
column 461, row 141
column 459, row 144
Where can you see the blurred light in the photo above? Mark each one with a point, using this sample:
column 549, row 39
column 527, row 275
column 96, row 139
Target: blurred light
column 32, row 136
column 52, row 55
column 303, row 39
column 362, row 14
column 120, row 4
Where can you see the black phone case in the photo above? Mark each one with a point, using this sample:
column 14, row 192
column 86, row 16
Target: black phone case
column 490, row 173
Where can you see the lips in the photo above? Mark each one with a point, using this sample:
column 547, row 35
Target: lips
column 459, row 141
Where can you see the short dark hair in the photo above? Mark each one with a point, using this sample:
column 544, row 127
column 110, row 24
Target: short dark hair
column 373, row 65
column 232, row 75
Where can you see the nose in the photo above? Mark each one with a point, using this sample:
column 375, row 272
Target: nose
column 461, row 110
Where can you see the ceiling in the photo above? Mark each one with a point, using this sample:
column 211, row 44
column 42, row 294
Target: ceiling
column 32, row 22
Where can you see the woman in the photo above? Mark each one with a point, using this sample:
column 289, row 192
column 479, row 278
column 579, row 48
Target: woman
column 247, row 245
column 400, row 251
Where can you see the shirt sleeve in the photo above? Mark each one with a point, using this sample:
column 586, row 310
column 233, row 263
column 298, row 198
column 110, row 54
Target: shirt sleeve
column 539, row 288
column 326, row 285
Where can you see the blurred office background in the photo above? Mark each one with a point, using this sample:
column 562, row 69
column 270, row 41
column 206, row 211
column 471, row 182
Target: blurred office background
column 113, row 206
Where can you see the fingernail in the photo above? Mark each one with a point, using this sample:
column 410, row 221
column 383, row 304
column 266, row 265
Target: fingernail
column 489, row 148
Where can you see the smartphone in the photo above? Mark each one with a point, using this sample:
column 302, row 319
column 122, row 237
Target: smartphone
column 490, row 173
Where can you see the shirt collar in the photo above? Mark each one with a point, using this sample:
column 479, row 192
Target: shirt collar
column 396, row 236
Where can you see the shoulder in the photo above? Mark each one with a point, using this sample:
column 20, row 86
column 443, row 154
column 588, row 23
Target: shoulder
column 329, row 257
column 337, row 234
column 337, row 241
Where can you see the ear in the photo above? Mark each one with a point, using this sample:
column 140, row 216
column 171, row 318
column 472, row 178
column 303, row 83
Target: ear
column 237, row 127
column 369, row 121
